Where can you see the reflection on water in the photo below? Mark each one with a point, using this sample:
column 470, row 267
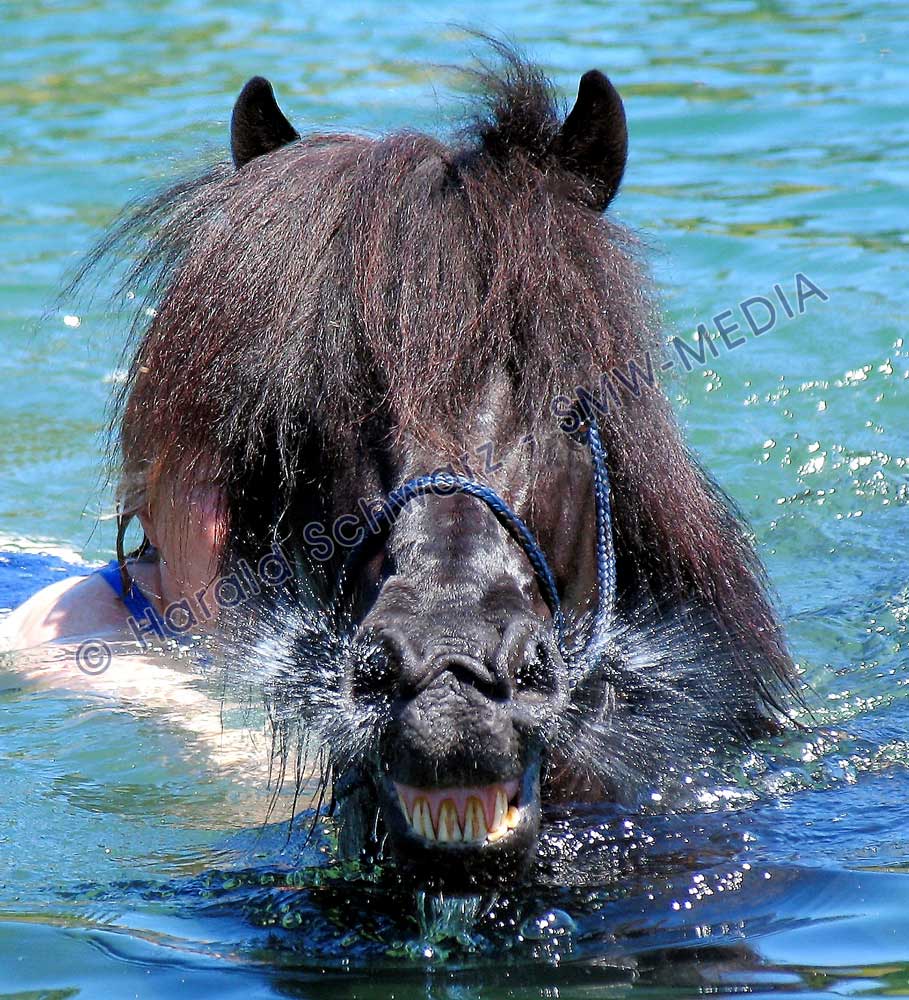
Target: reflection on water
column 766, row 139
column 135, row 831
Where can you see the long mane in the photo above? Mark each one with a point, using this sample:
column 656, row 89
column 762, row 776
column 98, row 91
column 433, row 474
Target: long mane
column 343, row 292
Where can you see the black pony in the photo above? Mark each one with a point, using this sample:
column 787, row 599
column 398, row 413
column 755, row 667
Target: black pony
column 335, row 314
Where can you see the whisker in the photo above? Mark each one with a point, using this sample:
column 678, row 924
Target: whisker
column 653, row 685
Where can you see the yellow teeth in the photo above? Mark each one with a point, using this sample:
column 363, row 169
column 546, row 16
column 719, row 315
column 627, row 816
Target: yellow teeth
column 501, row 807
column 450, row 828
column 474, row 821
column 509, row 821
column 422, row 819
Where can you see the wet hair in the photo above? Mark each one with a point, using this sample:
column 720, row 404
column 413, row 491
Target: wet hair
column 319, row 304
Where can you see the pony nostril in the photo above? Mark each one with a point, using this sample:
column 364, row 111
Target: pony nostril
column 535, row 673
column 529, row 658
column 382, row 671
column 373, row 677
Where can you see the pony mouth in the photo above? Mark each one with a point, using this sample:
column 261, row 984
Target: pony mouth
column 478, row 815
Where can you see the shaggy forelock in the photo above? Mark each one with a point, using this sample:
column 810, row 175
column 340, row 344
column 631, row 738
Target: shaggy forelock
column 343, row 293
column 341, row 275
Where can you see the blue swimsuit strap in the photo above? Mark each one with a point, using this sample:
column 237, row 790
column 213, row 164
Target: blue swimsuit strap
column 137, row 604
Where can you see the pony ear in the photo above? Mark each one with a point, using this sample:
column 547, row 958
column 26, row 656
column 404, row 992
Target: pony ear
column 257, row 125
column 593, row 140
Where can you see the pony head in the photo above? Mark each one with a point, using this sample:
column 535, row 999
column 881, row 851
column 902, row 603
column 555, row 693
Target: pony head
column 336, row 314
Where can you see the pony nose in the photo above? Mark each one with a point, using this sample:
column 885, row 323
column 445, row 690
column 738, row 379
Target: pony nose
column 528, row 656
column 466, row 668
column 521, row 661
column 470, row 661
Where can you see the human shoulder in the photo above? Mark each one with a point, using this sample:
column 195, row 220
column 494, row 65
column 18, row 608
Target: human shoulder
column 75, row 606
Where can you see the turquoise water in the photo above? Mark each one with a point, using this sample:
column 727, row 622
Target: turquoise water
column 767, row 139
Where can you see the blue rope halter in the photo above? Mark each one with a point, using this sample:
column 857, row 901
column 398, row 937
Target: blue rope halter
column 448, row 484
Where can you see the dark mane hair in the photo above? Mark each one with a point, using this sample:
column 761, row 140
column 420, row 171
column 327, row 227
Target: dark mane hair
column 343, row 293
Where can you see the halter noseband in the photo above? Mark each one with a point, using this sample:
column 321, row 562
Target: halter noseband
column 448, row 484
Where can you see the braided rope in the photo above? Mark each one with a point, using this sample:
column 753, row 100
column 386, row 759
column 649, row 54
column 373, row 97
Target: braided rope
column 606, row 573
column 448, row 484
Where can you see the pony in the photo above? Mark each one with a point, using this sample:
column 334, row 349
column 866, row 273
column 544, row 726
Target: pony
column 334, row 314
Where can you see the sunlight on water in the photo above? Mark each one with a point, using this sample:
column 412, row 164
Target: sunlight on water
column 137, row 850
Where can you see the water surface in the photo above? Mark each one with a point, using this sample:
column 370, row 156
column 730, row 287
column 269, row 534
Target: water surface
column 767, row 139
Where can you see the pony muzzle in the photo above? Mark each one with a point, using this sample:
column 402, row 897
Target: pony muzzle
column 463, row 837
column 457, row 768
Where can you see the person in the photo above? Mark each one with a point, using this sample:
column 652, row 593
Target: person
column 179, row 557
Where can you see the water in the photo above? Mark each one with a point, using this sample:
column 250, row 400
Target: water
column 767, row 139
